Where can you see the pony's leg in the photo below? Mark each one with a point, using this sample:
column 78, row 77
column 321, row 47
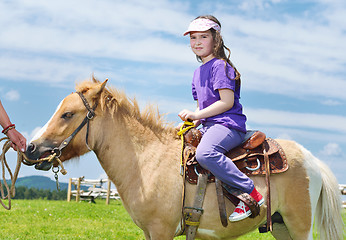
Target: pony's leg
column 159, row 236
column 297, row 218
column 293, row 191
column 146, row 235
column 158, row 230
column 280, row 232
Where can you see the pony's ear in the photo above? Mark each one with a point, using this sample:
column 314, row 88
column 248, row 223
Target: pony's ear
column 96, row 91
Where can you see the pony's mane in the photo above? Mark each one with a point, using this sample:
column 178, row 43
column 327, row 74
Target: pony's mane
column 116, row 101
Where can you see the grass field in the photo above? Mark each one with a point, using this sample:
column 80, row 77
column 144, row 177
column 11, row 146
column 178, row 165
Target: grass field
column 42, row 219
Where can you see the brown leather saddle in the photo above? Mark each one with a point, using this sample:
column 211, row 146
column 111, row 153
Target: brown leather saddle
column 248, row 156
column 257, row 155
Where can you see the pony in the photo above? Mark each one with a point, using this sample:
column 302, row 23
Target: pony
column 140, row 152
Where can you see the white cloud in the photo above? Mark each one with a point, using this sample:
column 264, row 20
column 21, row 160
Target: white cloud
column 332, row 149
column 294, row 56
column 41, row 69
column 99, row 29
column 256, row 5
column 335, row 158
column 284, row 135
column 298, row 120
column 12, row 95
column 34, row 132
column 103, row 176
column 298, row 56
column 331, row 102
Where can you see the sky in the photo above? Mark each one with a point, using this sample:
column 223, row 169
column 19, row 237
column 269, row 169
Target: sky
column 290, row 53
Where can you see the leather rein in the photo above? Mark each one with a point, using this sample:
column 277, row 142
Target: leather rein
column 90, row 115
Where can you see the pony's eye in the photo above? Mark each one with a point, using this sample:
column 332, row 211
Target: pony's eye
column 67, row 115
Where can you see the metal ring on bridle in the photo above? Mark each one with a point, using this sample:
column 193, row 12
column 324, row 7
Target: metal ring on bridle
column 90, row 115
column 56, row 151
column 256, row 168
column 55, row 171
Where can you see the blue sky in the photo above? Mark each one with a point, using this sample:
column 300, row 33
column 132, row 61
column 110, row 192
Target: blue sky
column 291, row 55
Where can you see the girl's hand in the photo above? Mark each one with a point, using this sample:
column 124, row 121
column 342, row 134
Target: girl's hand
column 187, row 115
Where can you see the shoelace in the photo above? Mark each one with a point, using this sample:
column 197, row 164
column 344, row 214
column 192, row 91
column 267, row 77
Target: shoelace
column 241, row 206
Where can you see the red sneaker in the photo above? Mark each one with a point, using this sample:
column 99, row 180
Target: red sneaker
column 242, row 211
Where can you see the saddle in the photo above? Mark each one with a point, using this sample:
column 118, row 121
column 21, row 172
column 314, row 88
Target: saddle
column 248, row 156
column 256, row 155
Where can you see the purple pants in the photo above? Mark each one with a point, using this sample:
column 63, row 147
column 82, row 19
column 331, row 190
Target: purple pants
column 210, row 154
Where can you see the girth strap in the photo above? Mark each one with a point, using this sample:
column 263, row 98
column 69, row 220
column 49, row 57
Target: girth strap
column 267, row 169
column 193, row 214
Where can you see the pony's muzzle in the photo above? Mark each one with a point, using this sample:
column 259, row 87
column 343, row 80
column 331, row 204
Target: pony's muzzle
column 44, row 166
column 36, row 151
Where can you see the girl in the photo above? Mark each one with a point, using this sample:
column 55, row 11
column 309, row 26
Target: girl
column 216, row 88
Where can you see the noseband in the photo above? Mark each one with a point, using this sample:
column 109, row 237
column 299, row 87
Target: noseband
column 89, row 116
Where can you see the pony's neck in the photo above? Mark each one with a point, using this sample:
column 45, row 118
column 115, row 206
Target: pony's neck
column 130, row 153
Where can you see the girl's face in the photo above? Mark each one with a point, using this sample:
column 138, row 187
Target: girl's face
column 202, row 44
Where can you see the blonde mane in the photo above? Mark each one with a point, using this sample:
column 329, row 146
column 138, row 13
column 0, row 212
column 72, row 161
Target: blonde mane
column 116, row 101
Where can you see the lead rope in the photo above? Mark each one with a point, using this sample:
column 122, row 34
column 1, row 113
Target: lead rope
column 21, row 158
column 10, row 192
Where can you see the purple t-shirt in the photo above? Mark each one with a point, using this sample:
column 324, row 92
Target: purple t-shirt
column 207, row 79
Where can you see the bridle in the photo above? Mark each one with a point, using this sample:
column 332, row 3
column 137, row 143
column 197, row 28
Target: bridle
column 90, row 115
column 56, row 152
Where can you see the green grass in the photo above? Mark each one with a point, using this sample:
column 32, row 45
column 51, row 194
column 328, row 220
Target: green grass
column 41, row 219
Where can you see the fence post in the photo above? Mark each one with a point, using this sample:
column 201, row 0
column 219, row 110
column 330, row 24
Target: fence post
column 108, row 191
column 69, row 190
column 78, row 190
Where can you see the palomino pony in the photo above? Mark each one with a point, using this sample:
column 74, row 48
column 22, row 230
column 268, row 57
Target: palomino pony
column 141, row 155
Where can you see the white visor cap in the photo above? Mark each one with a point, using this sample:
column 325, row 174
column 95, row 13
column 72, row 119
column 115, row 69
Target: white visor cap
column 201, row 25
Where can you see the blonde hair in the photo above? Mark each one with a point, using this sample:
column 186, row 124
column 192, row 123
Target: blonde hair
column 219, row 48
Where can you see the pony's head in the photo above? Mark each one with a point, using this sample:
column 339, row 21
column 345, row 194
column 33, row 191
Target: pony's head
column 66, row 133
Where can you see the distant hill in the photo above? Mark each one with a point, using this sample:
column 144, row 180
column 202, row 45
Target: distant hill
column 39, row 182
column 42, row 182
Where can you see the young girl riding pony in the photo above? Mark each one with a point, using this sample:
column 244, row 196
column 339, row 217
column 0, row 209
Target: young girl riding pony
column 216, row 88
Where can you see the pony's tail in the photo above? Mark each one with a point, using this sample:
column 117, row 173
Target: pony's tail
column 328, row 213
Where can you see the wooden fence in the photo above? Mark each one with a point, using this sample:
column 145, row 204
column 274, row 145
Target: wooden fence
column 342, row 188
column 95, row 189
